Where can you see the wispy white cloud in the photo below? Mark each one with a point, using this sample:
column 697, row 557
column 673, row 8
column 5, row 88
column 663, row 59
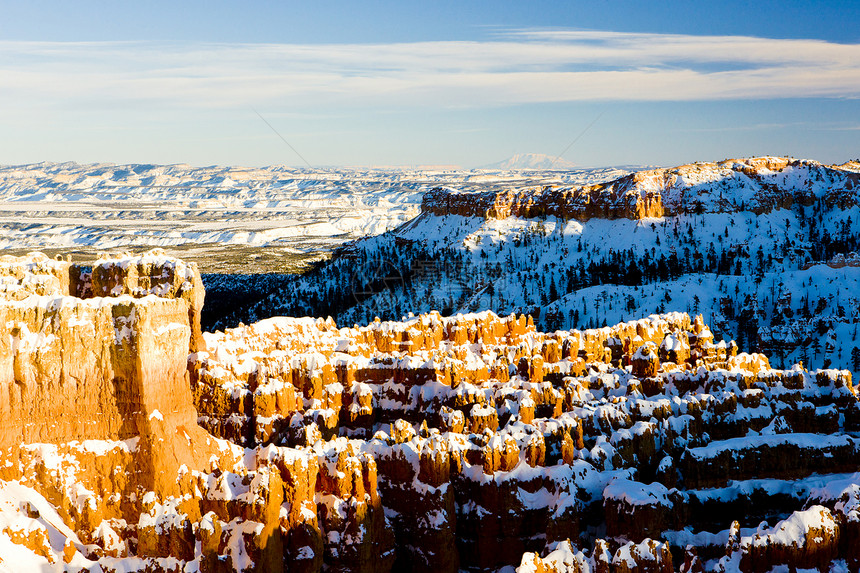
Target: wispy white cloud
column 643, row 48
column 525, row 66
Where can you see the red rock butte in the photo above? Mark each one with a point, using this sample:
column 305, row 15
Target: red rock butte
column 100, row 354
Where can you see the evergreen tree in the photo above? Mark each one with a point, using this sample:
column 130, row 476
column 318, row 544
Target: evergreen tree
column 553, row 292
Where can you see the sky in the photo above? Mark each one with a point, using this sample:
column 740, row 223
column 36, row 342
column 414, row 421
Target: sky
column 468, row 83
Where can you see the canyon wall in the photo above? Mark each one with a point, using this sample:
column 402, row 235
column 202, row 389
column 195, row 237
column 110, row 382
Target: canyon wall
column 757, row 184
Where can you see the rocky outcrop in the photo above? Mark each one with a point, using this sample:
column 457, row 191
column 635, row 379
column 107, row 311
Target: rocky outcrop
column 36, row 274
column 150, row 274
column 109, row 368
column 757, row 184
column 807, row 539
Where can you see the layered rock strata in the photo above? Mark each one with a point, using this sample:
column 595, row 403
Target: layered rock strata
column 493, row 441
column 755, row 184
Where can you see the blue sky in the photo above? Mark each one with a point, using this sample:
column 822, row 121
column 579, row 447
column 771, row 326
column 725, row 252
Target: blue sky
column 404, row 83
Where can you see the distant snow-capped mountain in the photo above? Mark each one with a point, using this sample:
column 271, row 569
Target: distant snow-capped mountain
column 531, row 161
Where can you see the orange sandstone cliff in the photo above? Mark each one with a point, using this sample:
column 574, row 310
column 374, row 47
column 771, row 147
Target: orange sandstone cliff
column 755, row 184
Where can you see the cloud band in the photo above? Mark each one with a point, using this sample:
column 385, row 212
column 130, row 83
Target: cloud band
column 517, row 67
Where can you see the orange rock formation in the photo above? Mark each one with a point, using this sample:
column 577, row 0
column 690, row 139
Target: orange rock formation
column 653, row 193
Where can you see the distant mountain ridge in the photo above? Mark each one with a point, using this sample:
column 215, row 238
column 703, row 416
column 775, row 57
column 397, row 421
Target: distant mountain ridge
column 530, row 161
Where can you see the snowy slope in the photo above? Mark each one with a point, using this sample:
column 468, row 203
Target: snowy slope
column 779, row 278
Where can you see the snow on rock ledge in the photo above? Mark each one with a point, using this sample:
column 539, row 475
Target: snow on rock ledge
column 759, row 184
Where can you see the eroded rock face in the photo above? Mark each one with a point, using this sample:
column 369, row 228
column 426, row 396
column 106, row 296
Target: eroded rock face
column 492, row 439
column 103, row 368
column 34, row 274
column 91, row 369
column 116, row 359
column 101, row 452
column 150, row 274
column 107, row 367
column 470, row 443
column 661, row 192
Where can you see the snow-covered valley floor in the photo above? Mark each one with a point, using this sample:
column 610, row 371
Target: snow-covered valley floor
column 229, row 219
